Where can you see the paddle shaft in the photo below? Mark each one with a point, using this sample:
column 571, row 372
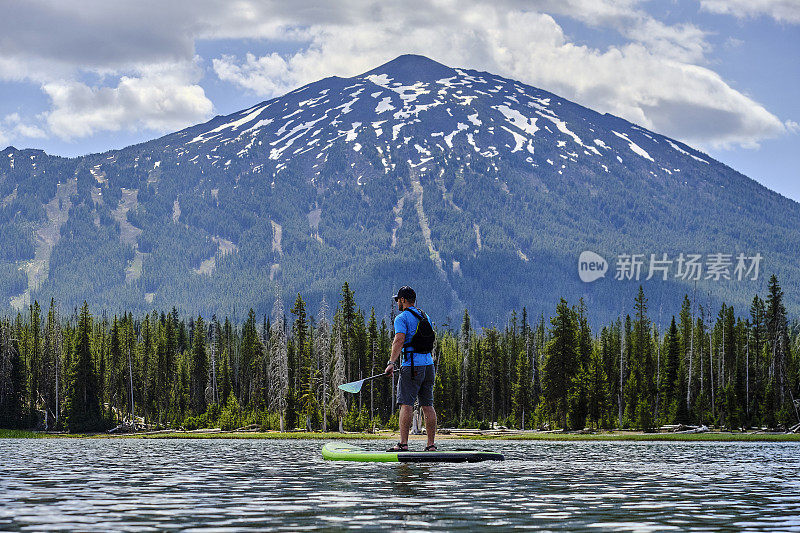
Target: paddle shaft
column 374, row 377
column 354, row 387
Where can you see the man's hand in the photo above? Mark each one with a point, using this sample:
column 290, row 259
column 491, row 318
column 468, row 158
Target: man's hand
column 389, row 370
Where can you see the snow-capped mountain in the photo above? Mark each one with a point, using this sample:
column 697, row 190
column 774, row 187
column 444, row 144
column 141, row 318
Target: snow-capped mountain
column 478, row 190
column 421, row 109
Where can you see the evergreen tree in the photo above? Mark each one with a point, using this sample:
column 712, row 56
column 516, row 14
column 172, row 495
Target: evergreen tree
column 249, row 359
column 521, row 389
column 641, row 393
column 464, row 346
column 338, row 405
column 83, row 403
column 348, row 317
column 687, row 350
column 778, row 339
column 52, row 367
column 12, row 379
column 670, row 384
column 305, row 373
column 579, row 399
column 33, row 350
column 199, row 368
column 372, row 350
column 599, row 393
column 560, row 363
column 490, row 363
column 322, row 356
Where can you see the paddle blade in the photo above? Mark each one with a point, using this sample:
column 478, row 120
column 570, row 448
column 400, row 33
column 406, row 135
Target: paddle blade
column 353, row 387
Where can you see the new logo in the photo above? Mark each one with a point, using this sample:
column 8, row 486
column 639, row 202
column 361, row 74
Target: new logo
column 591, row 266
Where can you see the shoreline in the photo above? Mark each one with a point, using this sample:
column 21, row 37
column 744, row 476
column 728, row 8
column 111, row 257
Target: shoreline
column 607, row 436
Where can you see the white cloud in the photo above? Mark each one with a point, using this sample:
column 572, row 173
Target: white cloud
column 266, row 75
column 160, row 99
column 780, row 10
column 12, row 128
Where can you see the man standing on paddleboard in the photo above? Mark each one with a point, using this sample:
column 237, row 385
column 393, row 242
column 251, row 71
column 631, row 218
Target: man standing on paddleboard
column 413, row 339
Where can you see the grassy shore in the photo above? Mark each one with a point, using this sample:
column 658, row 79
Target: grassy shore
column 21, row 434
column 711, row 436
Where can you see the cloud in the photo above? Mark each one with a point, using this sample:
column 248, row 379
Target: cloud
column 46, row 40
column 266, row 75
column 649, row 81
column 160, row 99
column 781, row 10
column 12, row 128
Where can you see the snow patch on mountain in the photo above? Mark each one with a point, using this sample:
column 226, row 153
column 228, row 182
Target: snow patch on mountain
column 518, row 120
column 232, row 125
column 633, row 146
column 684, row 152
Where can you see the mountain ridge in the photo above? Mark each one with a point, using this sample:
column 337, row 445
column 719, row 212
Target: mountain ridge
column 398, row 175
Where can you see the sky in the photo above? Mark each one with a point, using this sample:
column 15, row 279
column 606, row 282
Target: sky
column 721, row 75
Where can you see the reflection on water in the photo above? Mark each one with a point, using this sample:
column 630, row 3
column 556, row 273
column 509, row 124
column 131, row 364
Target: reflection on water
column 227, row 485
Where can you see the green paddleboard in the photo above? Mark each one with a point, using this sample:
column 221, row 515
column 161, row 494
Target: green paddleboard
column 339, row 451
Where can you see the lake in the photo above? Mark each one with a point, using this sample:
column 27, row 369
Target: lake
column 234, row 485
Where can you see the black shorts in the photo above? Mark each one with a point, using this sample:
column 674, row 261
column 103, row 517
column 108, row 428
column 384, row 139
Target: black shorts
column 420, row 385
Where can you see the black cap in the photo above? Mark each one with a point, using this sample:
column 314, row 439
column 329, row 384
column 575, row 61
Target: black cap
column 405, row 292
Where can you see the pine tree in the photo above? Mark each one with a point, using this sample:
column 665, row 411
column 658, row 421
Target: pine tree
column 599, row 394
column 83, row 403
column 322, row 348
column 521, row 389
column 490, row 364
column 33, row 351
column 248, row 358
column 687, row 350
column 12, row 379
column 199, row 368
column 372, row 350
column 306, row 374
column 778, row 339
column 464, row 343
column 338, row 405
column 53, row 369
column 641, row 393
column 560, row 363
column 579, row 399
column 347, row 322
column 259, row 378
column 670, row 384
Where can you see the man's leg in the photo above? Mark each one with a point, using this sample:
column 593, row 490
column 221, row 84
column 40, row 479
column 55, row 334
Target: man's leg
column 405, row 422
column 430, row 423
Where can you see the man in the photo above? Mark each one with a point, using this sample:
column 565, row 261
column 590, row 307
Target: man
column 416, row 371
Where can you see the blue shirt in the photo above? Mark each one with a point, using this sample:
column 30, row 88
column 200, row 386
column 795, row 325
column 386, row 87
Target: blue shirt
column 406, row 323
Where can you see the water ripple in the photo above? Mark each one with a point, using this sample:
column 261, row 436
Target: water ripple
column 232, row 485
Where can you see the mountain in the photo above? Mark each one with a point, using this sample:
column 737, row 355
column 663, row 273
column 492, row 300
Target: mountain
column 477, row 190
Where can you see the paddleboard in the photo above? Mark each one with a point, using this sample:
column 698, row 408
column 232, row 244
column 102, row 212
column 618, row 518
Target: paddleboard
column 339, row 451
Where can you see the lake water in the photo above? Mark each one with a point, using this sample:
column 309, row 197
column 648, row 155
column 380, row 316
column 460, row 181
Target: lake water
column 234, row 485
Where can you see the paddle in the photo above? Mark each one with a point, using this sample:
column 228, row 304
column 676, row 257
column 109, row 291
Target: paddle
column 355, row 386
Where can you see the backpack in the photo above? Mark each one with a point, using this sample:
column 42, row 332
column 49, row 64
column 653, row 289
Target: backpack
column 424, row 337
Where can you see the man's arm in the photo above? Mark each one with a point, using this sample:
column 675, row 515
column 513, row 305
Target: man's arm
column 397, row 348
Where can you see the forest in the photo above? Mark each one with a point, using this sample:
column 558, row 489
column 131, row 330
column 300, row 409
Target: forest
column 85, row 373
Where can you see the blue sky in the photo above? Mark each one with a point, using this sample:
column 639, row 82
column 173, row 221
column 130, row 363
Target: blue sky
column 721, row 75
